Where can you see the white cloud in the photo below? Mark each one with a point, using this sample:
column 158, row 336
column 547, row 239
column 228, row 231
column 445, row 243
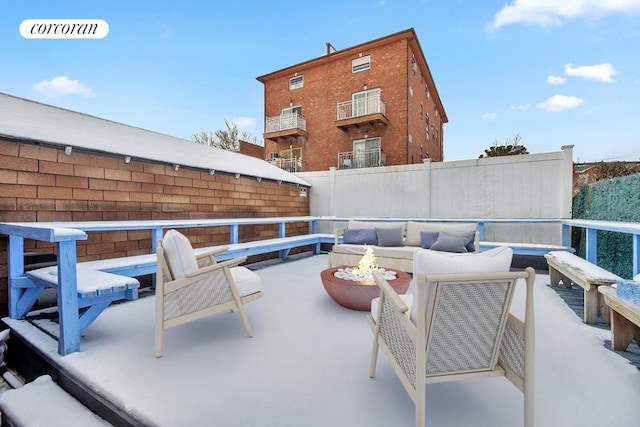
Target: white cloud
column 61, row 85
column 520, row 107
column 560, row 103
column 602, row 72
column 489, row 117
column 553, row 12
column 555, row 80
column 244, row 122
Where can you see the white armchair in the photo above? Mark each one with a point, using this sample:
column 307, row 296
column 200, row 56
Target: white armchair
column 190, row 287
column 456, row 324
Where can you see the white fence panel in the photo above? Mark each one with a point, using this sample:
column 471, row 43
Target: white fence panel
column 528, row 186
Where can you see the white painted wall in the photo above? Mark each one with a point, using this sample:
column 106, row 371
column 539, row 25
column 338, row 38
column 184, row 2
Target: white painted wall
column 528, row 186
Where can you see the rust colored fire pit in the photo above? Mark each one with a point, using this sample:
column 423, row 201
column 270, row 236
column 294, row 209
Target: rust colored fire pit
column 358, row 295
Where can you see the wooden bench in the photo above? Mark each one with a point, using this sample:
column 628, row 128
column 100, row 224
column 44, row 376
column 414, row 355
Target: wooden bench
column 567, row 267
column 42, row 402
column 96, row 290
column 625, row 319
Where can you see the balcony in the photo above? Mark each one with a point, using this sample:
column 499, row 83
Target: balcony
column 369, row 111
column 290, row 165
column 362, row 159
column 285, row 127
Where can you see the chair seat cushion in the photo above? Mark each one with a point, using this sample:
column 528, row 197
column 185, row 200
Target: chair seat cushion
column 246, row 281
column 375, row 304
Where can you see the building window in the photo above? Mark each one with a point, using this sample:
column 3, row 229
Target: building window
column 292, row 110
column 435, row 112
column 296, row 82
column 367, row 153
column 421, row 109
column 426, row 92
column 414, row 66
column 366, row 102
column 361, row 64
column 427, row 125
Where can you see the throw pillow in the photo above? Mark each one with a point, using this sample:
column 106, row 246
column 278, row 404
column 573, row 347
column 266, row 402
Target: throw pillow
column 390, row 236
column 428, row 238
column 458, row 242
column 451, row 242
column 360, row 236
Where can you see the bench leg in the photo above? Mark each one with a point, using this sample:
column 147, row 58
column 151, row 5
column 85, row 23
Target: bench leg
column 556, row 277
column 591, row 305
column 622, row 332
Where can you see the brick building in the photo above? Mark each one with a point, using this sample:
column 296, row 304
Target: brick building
column 373, row 104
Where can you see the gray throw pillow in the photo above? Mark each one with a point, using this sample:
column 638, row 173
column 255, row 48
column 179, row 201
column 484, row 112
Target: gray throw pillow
column 428, row 238
column 469, row 237
column 360, row 236
column 450, row 242
column 390, row 236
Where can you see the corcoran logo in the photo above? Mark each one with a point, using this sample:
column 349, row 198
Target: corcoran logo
column 64, row 29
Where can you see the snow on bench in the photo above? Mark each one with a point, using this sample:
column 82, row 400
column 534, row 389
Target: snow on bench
column 139, row 265
column 96, row 289
column 567, row 267
column 43, row 403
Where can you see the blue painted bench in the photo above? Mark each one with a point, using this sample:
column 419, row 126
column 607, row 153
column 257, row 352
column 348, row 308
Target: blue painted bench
column 139, row 265
column 96, row 290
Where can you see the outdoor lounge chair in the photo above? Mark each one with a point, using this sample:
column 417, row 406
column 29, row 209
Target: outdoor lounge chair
column 190, row 287
column 456, row 326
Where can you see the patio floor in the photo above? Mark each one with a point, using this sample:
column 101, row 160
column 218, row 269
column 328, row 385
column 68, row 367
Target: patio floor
column 308, row 365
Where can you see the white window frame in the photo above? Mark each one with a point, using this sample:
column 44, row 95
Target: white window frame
column 361, row 64
column 296, row 82
column 292, row 110
column 360, row 101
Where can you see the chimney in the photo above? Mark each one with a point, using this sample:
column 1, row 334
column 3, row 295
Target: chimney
column 330, row 48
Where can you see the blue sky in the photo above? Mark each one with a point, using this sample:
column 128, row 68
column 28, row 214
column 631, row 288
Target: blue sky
column 555, row 72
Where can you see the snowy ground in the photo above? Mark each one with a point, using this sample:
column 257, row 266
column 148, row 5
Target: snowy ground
column 308, row 365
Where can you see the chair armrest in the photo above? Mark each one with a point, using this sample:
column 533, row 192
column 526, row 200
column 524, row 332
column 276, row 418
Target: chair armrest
column 339, row 232
column 209, row 268
column 213, row 252
column 390, row 293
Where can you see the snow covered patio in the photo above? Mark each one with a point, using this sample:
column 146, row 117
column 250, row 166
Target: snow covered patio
column 308, row 365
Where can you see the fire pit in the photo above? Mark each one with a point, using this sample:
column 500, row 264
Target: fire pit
column 358, row 295
column 355, row 287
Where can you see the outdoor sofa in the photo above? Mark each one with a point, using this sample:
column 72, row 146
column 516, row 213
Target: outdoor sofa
column 395, row 243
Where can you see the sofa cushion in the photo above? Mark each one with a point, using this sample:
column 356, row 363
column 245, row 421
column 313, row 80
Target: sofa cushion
column 454, row 242
column 428, row 238
column 179, row 254
column 401, row 252
column 414, row 228
column 360, row 236
column 433, row 262
column 390, row 236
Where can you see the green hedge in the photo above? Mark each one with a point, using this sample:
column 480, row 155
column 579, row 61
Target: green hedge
column 616, row 199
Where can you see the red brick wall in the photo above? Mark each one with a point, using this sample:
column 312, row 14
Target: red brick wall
column 252, row 150
column 328, row 83
column 39, row 183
